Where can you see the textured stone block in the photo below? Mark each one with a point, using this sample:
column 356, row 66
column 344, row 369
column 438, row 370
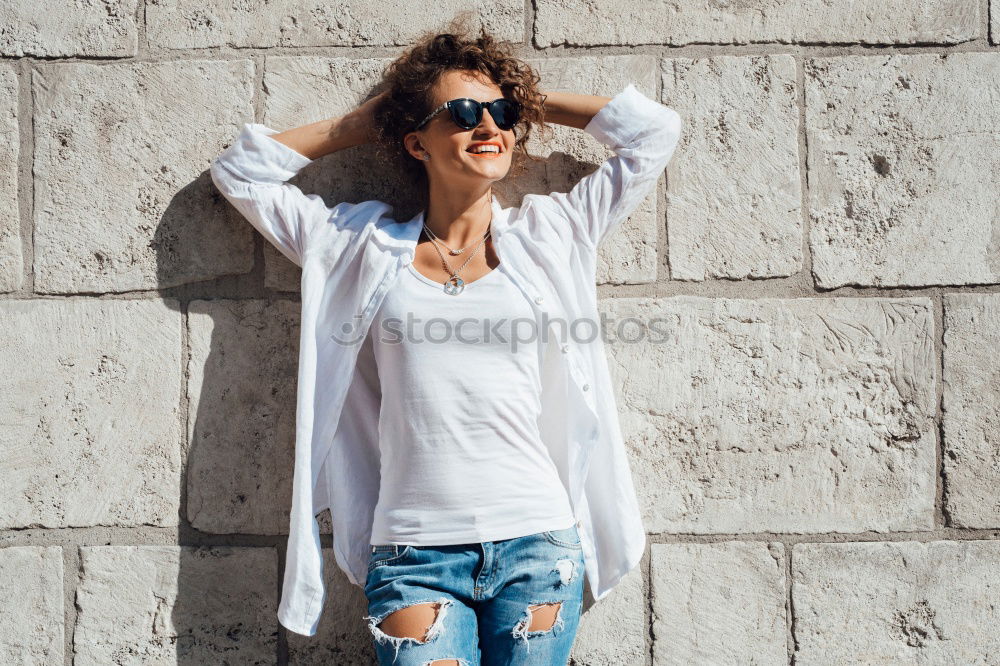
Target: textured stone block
column 896, row 603
column 904, row 160
column 306, row 89
column 176, row 605
column 11, row 259
column 92, row 432
column 343, row 636
column 183, row 24
column 995, row 21
column 628, row 254
column 68, row 28
column 123, row 197
column 31, row 605
column 777, row 415
column 241, row 392
column 325, row 521
column 971, row 404
column 733, row 203
column 606, row 22
column 614, row 631
column 718, row 603
column 280, row 274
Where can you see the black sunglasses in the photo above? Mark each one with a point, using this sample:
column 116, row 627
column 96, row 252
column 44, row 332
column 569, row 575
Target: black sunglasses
column 468, row 113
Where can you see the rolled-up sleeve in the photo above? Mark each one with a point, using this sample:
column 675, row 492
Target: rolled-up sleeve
column 643, row 135
column 253, row 173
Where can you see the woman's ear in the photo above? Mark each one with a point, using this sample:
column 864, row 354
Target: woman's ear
column 413, row 146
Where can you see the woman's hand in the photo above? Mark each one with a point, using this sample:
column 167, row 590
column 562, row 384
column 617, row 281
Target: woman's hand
column 363, row 118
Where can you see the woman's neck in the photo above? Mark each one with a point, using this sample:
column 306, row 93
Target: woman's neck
column 458, row 218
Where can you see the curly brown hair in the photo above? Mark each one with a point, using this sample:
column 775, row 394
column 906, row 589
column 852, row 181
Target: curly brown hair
column 409, row 80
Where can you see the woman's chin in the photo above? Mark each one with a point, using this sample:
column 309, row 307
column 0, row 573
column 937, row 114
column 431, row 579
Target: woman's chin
column 495, row 166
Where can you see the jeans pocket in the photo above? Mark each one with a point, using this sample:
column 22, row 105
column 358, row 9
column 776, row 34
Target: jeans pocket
column 387, row 554
column 567, row 537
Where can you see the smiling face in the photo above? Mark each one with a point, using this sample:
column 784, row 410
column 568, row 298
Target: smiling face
column 451, row 147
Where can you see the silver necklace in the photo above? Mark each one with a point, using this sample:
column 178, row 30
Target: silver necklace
column 437, row 239
column 455, row 285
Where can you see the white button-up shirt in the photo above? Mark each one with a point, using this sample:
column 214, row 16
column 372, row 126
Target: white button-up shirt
column 351, row 254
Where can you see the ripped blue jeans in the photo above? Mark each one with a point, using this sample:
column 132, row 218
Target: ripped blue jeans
column 484, row 595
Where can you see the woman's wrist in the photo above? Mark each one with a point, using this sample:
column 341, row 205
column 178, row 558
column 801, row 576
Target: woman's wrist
column 352, row 129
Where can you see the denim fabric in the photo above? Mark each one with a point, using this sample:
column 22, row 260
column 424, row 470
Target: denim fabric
column 483, row 591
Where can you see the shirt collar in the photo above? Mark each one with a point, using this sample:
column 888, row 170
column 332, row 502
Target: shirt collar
column 402, row 236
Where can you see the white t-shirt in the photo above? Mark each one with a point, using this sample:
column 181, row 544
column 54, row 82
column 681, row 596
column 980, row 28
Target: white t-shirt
column 462, row 459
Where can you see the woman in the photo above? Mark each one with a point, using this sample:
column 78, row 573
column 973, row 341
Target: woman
column 460, row 461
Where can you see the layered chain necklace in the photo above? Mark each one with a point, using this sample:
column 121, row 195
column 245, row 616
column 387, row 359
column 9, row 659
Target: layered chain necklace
column 455, row 285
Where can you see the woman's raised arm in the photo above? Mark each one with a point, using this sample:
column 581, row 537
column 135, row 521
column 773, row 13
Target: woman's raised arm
column 321, row 138
column 253, row 173
column 643, row 135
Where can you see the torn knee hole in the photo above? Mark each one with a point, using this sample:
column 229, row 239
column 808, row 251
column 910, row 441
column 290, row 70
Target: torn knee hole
column 411, row 622
column 539, row 619
column 543, row 616
column 416, row 623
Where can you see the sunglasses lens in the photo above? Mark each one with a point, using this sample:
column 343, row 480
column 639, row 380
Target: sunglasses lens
column 505, row 113
column 466, row 113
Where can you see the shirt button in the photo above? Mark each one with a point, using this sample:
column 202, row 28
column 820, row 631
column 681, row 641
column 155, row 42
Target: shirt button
column 586, row 387
column 564, row 349
column 539, row 299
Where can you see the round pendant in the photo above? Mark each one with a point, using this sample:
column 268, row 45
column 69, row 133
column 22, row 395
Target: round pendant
column 454, row 286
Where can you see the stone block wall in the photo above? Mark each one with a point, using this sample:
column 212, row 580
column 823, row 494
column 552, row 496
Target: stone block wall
column 817, row 452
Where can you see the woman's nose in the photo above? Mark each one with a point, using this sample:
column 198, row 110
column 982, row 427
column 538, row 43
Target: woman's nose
column 488, row 122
